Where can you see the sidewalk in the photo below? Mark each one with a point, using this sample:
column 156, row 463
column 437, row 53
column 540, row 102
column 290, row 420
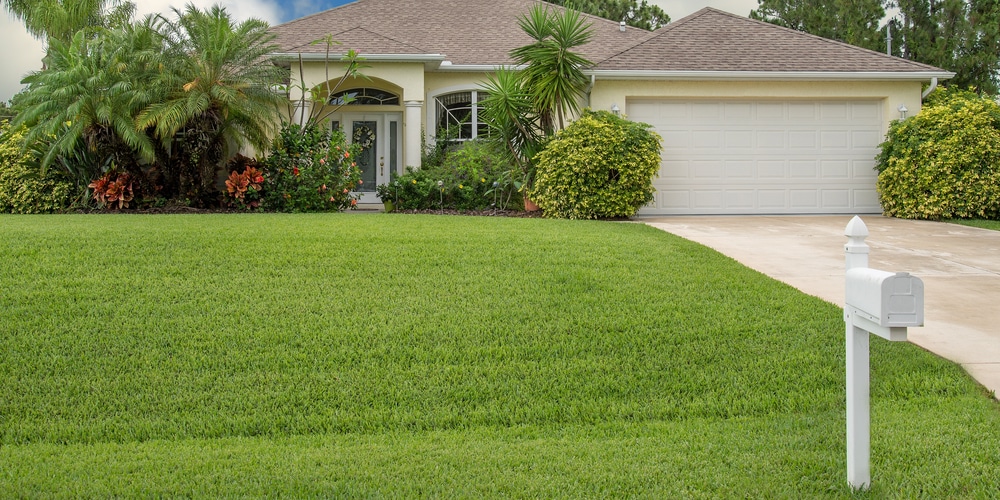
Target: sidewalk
column 959, row 265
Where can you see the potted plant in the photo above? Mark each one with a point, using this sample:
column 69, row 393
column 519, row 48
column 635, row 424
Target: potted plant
column 387, row 193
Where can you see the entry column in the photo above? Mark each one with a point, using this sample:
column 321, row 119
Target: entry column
column 411, row 127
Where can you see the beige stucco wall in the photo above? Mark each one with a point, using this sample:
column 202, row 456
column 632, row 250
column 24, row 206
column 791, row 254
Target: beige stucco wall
column 892, row 93
column 405, row 77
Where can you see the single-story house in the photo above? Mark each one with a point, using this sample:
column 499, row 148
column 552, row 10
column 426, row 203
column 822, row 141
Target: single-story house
column 755, row 118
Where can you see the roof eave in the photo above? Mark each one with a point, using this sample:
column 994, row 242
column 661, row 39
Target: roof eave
column 477, row 68
column 314, row 56
column 607, row 74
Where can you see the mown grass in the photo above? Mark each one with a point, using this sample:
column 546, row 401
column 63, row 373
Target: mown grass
column 981, row 223
column 384, row 355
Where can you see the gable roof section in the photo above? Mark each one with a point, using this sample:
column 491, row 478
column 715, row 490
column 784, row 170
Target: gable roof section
column 464, row 32
column 714, row 41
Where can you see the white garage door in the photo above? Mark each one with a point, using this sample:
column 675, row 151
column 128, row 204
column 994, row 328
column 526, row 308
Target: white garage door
column 764, row 157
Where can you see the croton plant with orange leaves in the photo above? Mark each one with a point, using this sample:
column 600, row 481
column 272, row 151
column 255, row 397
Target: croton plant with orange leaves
column 243, row 188
column 113, row 190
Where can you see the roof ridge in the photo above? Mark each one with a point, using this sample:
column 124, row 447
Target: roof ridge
column 660, row 31
column 711, row 10
column 820, row 38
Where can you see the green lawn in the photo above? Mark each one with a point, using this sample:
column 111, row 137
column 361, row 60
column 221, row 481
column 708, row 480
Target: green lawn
column 399, row 356
column 985, row 224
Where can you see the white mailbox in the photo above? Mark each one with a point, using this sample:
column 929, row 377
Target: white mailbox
column 886, row 299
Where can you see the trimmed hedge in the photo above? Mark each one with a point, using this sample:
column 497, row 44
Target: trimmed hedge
column 943, row 163
column 600, row 166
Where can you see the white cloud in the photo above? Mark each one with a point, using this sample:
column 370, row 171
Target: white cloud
column 22, row 54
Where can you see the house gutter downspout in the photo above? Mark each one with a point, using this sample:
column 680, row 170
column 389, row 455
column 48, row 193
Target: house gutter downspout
column 593, row 78
column 929, row 89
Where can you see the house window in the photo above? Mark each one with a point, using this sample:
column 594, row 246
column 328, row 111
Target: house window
column 457, row 114
column 364, row 96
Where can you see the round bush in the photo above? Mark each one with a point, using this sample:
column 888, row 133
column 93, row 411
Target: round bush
column 944, row 162
column 599, row 166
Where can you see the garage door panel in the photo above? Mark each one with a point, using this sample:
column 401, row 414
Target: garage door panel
column 865, row 139
column 745, row 156
column 803, row 169
column 706, row 139
column 836, row 112
column 739, row 170
column 701, row 170
column 772, row 169
column 835, row 169
column 803, row 199
column 833, row 139
column 738, row 139
column 803, row 139
column 798, row 111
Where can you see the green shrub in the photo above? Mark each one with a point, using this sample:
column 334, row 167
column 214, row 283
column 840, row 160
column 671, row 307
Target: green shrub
column 600, row 166
column 25, row 189
column 944, row 162
column 310, row 170
column 464, row 180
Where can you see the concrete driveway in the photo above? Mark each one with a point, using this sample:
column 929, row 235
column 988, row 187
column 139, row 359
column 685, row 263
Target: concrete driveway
column 960, row 267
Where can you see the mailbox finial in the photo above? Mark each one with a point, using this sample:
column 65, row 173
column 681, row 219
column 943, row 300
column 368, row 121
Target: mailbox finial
column 856, row 228
column 856, row 249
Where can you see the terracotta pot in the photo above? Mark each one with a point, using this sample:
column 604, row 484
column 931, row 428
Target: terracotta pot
column 530, row 206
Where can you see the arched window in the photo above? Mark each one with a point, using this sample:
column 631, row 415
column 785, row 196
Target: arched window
column 364, row 96
column 457, row 114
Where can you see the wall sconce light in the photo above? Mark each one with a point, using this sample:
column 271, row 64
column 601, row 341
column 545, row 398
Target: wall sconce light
column 616, row 110
column 902, row 111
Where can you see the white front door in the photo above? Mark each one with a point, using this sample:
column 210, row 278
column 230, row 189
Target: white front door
column 380, row 136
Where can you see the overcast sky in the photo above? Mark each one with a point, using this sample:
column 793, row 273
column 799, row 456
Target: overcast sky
column 21, row 53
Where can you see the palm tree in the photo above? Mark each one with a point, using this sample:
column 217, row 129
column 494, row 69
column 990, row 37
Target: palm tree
column 85, row 102
column 61, row 19
column 221, row 96
column 553, row 70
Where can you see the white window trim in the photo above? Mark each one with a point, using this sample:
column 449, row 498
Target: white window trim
column 431, row 112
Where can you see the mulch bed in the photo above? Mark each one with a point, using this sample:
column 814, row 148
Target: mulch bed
column 183, row 209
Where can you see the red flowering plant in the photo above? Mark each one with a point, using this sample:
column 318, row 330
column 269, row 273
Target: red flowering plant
column 310, row 169
column 113, row 190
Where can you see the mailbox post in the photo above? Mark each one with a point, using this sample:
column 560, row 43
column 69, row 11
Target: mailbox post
column 876, row 302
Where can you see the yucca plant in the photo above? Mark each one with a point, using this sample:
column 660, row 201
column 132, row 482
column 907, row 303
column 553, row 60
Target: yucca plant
column 553, row 70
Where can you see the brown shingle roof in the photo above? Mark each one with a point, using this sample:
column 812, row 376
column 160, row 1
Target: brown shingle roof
column 712, row 40
column 464, row 31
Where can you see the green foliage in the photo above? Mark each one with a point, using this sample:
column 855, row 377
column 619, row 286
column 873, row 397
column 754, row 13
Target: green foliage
column 224, row 356
column 553, row 72
column 958, row 35
column 524, row 108
column 512, row 119
column 219, row 96
column 6, row 112
column 85, row 101
column 640, row 14
column 310, row 170
column 852, row 21
column 601, row 165
column 944, row 162
column 62, row 19
column 27, row 190
column 466, row 175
